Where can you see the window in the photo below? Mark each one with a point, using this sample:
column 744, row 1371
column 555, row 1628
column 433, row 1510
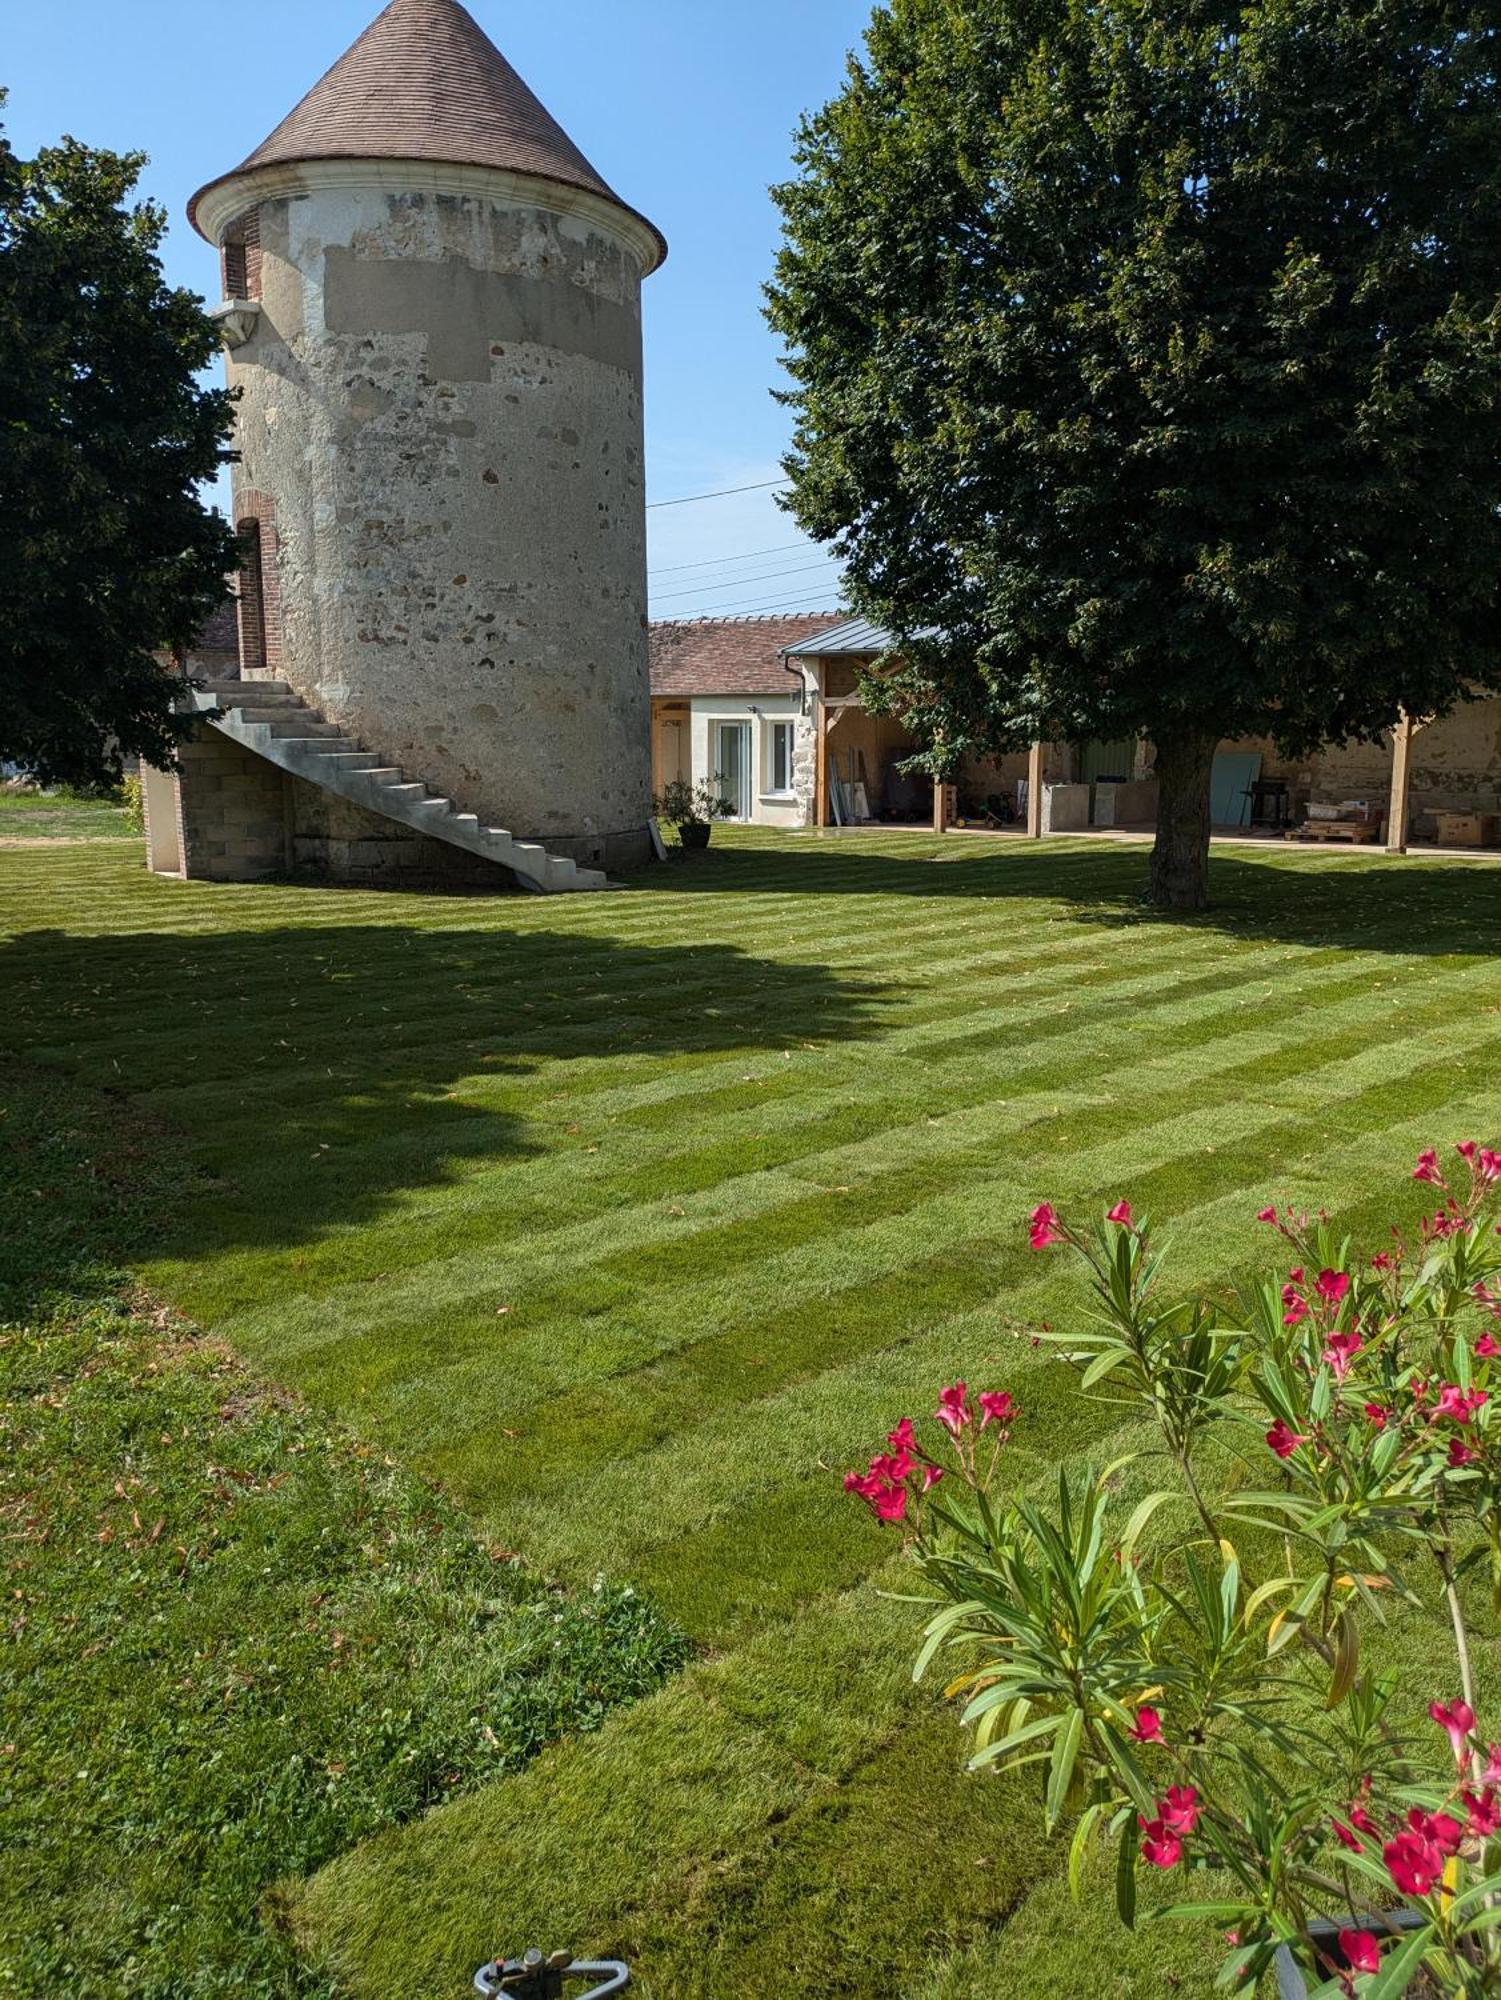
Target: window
column 779, row 758
column 242, row 256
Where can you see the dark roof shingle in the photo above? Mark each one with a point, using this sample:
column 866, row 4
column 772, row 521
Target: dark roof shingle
column 692, row 656
column 425, row 82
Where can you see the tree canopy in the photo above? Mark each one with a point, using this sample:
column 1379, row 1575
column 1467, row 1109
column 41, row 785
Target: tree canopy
column 1146, row 365
column 107, row 554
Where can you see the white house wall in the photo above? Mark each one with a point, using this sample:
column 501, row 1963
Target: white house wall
column 790, row 808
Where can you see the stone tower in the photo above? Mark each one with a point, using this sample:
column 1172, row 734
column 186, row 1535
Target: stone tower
column 433, row 319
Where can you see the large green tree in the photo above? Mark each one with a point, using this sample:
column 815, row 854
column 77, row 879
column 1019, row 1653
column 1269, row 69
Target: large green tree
column 107, row 553
column 1147, row 370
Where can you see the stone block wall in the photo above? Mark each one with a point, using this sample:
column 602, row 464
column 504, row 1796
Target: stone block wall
column 232, row 808
column 333, row 840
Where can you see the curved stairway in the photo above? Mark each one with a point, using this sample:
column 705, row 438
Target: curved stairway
column 269, row 718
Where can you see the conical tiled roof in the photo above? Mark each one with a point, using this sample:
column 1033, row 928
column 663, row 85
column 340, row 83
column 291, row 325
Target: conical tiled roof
column 425, row 82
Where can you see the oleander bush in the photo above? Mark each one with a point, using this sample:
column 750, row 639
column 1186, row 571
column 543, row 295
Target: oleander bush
column 1186, row 1669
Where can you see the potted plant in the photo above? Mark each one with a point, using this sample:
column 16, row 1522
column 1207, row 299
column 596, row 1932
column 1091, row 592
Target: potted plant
column 1189, row 1663
column 692, row 809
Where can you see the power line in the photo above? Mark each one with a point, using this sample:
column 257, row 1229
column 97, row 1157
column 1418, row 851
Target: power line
column 750, row 610
column 738, row 582
column 715, row 562
column 720, row 493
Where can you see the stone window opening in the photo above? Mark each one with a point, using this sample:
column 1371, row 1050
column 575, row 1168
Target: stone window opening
column 252, row 597
column 241, row 257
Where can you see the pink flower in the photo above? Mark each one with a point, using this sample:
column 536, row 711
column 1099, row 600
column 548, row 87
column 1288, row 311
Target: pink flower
column 1377, row 1415
column 1360, row 1951
column 1381, row 1261
column 1487, row 1346
column 1489, row 1165
column 1180, row 1808
column 1484, row 1818
column 1045, row 1229
column 1351, row 1840
column 1297, row 1309
column 1160, row 1845
column 1147, row 1727
column 1459, row 1455
column 953, row 1408
column 1284, row 1441
column 1427, row 1168
column 1466, row 1150
column 931, row 1474
column 1414, row 1863
column 1458, row 1718
column 1341, row 1351
column 1444, row 1832
column 1267, row 1215
column 904, row 1437
column 1360, row 1818
column 996, row 1407
column 1492, row 1772
column 1455, row 1404
column 1121, row 1213
column 892, row 1466
column 1332, row 1286
column 885, row 1496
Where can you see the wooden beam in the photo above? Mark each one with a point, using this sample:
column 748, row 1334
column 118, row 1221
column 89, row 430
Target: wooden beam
column 1398, row 809
column 1034, row 791
column 943, row 800
column 821, row 763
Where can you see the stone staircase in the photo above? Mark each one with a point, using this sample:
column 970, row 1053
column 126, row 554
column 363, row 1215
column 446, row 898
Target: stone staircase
column 276, row 723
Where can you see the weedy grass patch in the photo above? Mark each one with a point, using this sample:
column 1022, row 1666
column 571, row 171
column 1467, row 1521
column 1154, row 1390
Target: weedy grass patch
column 238, row 1638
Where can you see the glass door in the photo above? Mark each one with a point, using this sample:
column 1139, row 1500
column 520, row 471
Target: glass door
column 732, row 765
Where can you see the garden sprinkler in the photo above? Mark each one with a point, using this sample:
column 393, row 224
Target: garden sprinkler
column 533, row 1977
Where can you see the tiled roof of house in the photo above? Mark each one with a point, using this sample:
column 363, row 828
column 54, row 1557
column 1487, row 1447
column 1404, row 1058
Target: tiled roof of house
column 730, row 655
column 425, row 82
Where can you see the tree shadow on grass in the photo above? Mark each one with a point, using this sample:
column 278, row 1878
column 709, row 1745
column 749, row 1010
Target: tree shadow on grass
column 1369, row 902
column 323, row 1072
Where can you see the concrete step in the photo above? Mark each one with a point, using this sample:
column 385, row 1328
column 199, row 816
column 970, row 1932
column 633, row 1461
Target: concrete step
column 276, row 723
column 236, row 694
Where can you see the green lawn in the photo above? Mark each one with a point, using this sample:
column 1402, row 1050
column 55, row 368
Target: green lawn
column 62, row 816
column 634, row 1219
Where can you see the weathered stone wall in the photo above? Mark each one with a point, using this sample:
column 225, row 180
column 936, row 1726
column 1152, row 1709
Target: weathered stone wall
column 442, row 399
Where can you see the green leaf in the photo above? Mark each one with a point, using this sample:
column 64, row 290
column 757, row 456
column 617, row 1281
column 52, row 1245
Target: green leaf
column 1398, row 1967
column 1125, row 1871
column 1079, row 1846
column 1060, row 1774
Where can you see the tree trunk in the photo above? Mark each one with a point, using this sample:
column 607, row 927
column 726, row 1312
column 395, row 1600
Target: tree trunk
column 1179, row 878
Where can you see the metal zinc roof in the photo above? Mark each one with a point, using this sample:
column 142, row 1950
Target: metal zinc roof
column 857, row 635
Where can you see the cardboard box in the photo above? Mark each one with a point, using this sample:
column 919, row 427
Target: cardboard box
column 1457, row 829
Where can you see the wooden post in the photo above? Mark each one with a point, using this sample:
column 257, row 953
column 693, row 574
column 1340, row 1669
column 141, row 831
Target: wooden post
column 821, row 762
column 1397, row 811
column 1034, row 792
column 943, row 805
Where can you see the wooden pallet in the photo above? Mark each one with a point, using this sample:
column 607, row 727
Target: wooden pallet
column 1362, row 833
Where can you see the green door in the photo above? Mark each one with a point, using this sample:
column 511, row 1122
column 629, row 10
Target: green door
column 1234, row 772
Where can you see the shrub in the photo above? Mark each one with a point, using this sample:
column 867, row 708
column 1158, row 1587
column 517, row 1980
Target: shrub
column 133, row 796
column 1203, row 1703
column 682, row 804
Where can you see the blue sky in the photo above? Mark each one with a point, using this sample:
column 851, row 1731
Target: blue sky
column 687, row 108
